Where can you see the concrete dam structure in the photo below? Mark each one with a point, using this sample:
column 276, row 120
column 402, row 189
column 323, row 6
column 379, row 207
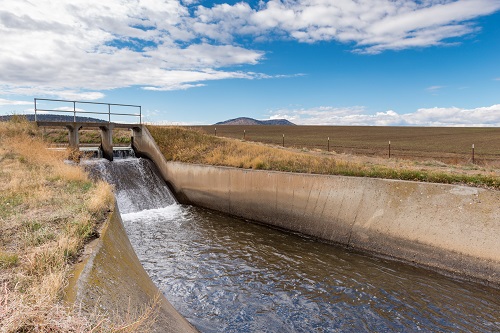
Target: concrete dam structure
column 225, row 275
column 447, row 227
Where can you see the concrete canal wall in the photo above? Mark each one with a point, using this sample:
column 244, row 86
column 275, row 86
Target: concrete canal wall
column 111, row 280
column 452, row 228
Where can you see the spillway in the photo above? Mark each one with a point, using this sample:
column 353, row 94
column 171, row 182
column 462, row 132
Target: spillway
column 229, row 275
column 138, row 186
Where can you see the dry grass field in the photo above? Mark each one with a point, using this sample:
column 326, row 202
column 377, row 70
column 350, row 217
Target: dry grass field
column 49, row 210
column 195, row 146
column 449, row 145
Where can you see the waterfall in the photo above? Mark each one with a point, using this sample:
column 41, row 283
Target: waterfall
column 137, row 182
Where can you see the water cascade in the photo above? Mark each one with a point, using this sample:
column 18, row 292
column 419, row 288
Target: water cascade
column 138, row 186
column 228, row 275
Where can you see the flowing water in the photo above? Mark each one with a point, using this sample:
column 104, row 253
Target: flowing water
column 228, row 275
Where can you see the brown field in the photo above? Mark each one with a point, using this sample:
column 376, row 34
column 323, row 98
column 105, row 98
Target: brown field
column 194, row 146
column 449, row 145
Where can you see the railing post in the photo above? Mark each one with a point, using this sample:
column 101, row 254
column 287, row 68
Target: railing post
column 140, row 115
column 74, row 111
column 35, row 110
column 109, row 113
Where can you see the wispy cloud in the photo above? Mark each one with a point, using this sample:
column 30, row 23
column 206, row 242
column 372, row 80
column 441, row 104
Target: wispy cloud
column 451, row 116
column 173, row 123
column 11, row 102
column 434, row 88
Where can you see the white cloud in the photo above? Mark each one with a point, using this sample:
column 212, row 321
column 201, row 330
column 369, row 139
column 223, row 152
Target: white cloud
column 434, row 88
column 74, row 49
column 55, row 91
column 451, row 116
column 373, row 25
column 78, row 49
column 10, row 102
column 172, row 123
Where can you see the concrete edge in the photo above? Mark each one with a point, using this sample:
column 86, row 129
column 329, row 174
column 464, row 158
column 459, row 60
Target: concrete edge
column 379, row 216
column 358, row 213
column 111, row 280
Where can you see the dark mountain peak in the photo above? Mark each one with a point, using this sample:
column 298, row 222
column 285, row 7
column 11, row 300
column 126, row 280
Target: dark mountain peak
column 55, row 117
column 251, row 121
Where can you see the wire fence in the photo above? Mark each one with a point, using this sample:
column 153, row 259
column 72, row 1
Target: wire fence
column 420, row 147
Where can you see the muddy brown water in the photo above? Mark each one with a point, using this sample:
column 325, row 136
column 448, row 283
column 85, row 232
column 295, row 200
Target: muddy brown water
column 229, row 275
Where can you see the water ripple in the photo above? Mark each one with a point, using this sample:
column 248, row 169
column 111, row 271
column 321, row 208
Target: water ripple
column 227, row 275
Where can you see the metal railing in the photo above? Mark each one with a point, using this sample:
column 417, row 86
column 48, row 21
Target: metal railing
column 75, row 111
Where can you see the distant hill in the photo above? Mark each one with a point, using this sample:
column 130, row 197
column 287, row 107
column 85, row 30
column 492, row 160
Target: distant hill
column 251, row 121
column 55, row 117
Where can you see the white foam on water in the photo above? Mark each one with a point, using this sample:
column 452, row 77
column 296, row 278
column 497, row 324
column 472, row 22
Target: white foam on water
column 137, row 184
column 165, row 213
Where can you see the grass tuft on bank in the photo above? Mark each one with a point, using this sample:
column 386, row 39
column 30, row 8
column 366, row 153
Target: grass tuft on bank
column 194, row 146
column 49, row 210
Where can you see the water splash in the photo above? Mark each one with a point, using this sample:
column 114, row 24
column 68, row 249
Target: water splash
column 138, row 185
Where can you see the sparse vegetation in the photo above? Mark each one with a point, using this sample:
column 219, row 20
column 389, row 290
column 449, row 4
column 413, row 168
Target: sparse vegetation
column 194, row 146
column 49, row 209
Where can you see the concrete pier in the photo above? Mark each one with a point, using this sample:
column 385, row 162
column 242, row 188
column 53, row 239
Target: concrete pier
column 73, row 135
column 107, row 141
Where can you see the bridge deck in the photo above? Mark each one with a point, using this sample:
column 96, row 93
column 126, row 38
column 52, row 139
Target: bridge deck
column 86, row 124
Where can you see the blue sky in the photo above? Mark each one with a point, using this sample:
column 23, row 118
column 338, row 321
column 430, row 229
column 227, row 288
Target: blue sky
column 320, row 62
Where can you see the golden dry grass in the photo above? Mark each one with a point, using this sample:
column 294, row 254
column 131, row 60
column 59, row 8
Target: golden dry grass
column 49, row 210
column 451, row 145
column 194, row 146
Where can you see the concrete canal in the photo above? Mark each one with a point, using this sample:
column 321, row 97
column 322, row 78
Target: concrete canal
column 229, row 275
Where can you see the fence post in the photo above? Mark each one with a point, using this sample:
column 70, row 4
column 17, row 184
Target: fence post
column 283, row 140
column 389, row 149
column 473, row 154
column 35, row 109
column 244, row 134
column 328, row 144
column 216, row 131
